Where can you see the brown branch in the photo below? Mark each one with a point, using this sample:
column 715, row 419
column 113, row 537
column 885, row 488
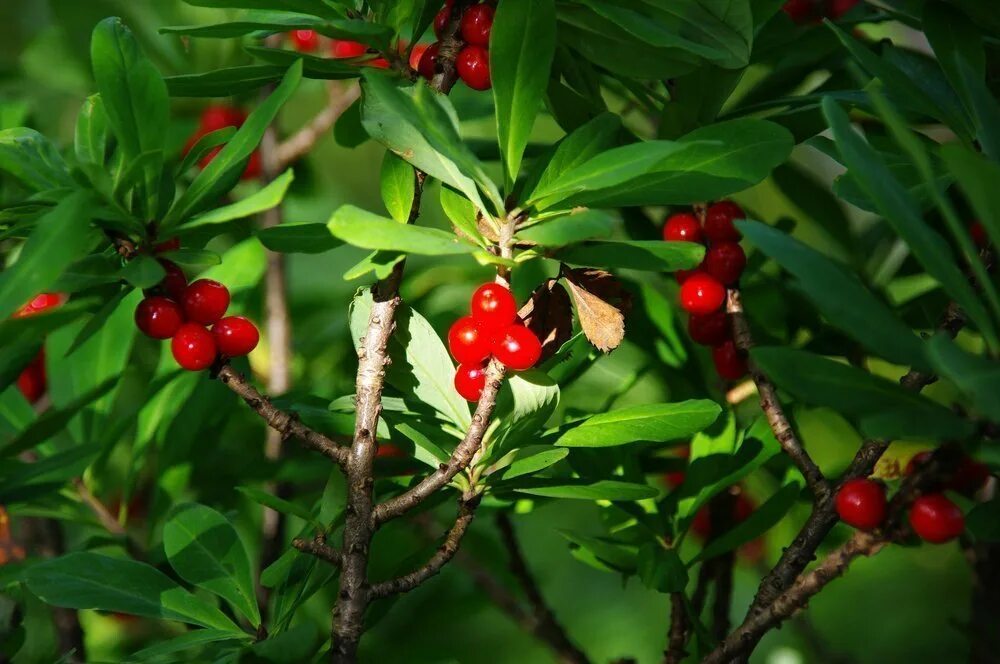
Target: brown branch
column 679, row 627
column 548, row 628
column 340, row 97
column 319, row 548
column 286, row 424
column 100, row 510
column 771, row 405
column 453, row 539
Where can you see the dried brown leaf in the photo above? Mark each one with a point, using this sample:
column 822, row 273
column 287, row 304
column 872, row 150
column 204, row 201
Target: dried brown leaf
column 549, row 314
column 601, row 305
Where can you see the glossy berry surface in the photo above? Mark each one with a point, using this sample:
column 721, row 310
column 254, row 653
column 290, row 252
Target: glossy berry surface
column 469, row 341
column 730, row 363
column 493, row 306
column 235, row 336
column 861, row 503
column 416, row 54
column 473, row 66
column 345, row 48
column 305, row 41
column 205, row 301
column 193, row 347
column 428, row 61
column 719, row 221
column 702, row 294
column 936, row 519
column 725, row 261
column 175, row 283
column 477, row 21
column 441, row 20
column 158, row 317
column 517, row 348
column 31, row 382
column 710, row 329
column 682, row 227
column 40, row 303
column 470, row 379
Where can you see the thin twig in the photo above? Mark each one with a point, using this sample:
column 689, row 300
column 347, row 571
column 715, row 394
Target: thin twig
column 100, row 510
column 319, row 548
column 678, row 634
column 453, row 539
column 286, row 424
column 553, row 631
column 770, row 404
column 340, row 96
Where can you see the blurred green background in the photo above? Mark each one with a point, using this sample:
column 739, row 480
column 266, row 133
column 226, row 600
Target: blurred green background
column 907, row 605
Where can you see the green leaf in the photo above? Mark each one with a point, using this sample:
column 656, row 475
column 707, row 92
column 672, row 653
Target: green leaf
column 135, row 101
column 369, row 231
column 91, row 137
column 759, row 522
column 531, row 459
column 904, row 216
column 607, row 554
column 661, row 569
column 651, row 255
column 398, row 184
column 93, row 581
column 957, row 43
column 226, row 168
column 983, row 521
column 203, row 147
column 424, row 449
column 525, row 403
column 242, row 266
column 650, row 422
column 324, row 9
column 522, row 43
column 381, row 263
column 204, row 549
column 586, row 141
column 184, row 642
column 61, row 237
column 882, row 408
column 706, row 164
column 840, row 296
column 979, row 180
column 367, row 32
column 143, row 271
column 30, row 158
column 569, row 229
column 298, row 238
column 260, row 201
column 225, row 82
column 977, row 377
column 612, row 490
column 462, row 214
column 278, row 505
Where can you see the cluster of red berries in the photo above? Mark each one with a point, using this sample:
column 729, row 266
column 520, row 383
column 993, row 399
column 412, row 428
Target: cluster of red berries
column 183, row 312
column 862, row 502
column 814, row 11
column 32, row 380
column 310, row 41
column 473, row 61
column 493, row 330
column 703, row 290
column 218, row 117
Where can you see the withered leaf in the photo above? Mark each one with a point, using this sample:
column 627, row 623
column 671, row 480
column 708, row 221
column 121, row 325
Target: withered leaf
column 549, row 314
column 601, row 305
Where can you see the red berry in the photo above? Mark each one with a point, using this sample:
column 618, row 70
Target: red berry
column 193, row 347
column 428, row 61
column 840, row 7
column 517, row 348
column 473, row 66
column 702, row 294
column 344, row 48
column 469, row 341
column 305, row 41
column 441, row 20
column 916, row 461
column 979, row 236
column 742, row 509
column 725, row 261
column 416, row 54
column 477, row 21
column 46, row 301
column 390, row 451
column 683, row 275
column 235, row 336
column 969, row 477
column 173, row 244
column 709, row 330
column 470, row 379
column 861, row 503
column 253, row 167
column 682, row 227
column 719, row 221
column 217, row 117
column 32, row 381
column 936, row 519
column 729, row 361
column 205, row 301
column 175, row 283
column 800, row 11
column 158, row 317
column 493, row 306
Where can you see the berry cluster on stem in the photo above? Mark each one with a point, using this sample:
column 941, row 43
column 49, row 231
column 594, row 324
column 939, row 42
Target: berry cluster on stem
column 493, row 329
column 703, row 290
column 473, row 61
